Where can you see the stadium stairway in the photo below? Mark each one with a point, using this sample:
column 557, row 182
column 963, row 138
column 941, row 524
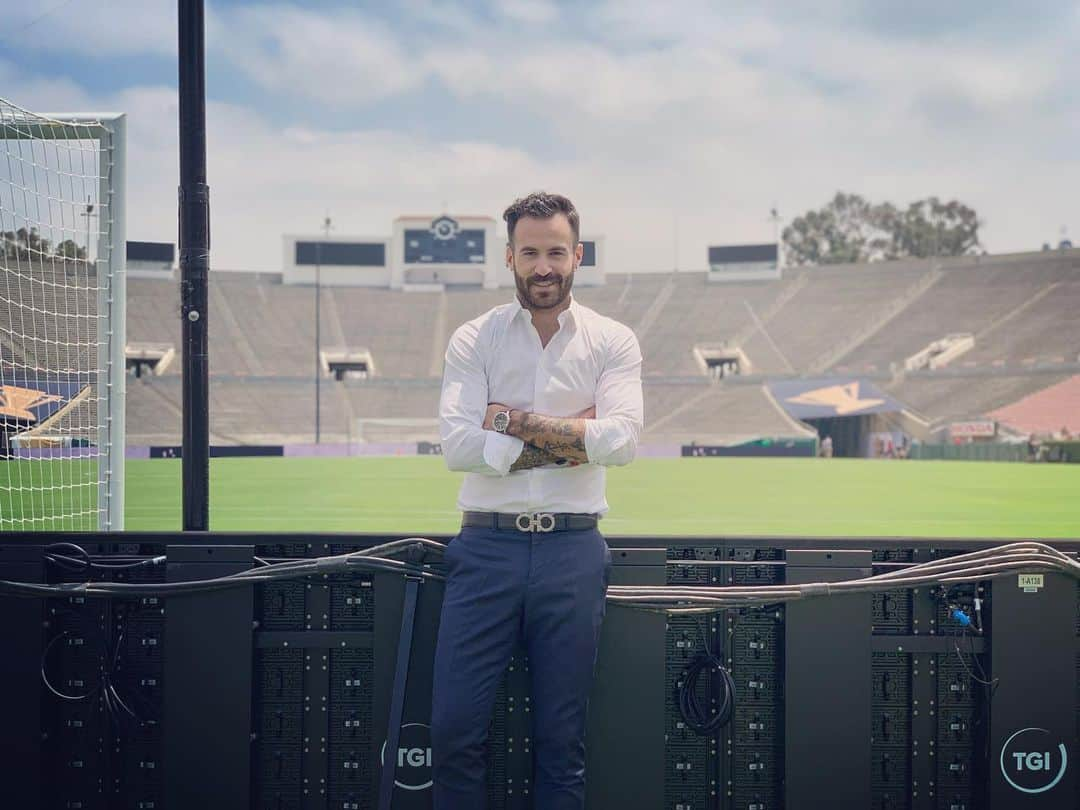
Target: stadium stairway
column 892, row 310
column 244, row 351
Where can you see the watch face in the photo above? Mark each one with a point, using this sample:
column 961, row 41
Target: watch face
column 501, row 421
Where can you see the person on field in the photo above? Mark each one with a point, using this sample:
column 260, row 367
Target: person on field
column 539, row 396
column 826, row 447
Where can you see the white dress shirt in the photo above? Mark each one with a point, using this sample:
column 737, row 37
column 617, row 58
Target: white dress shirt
column 591, row 361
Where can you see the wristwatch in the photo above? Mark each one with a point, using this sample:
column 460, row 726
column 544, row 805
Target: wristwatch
column 501, row 421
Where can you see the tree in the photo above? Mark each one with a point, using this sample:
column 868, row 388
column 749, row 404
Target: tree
column 931, row 227
column 22, row 243
column 847, row 229
column 851, row 229
column 26, row 244
column 39, row 245
column 69, row 249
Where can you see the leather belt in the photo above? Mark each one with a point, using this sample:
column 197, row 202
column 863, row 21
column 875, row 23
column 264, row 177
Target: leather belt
column 530, row 521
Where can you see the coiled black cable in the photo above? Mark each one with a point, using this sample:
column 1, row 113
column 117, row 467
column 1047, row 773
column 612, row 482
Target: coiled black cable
column 698, row 717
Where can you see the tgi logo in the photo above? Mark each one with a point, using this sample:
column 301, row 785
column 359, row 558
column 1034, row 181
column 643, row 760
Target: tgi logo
column 413, row 757
column 1031, row 762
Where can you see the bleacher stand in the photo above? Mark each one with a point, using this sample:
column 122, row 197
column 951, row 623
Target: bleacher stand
column 816, row 321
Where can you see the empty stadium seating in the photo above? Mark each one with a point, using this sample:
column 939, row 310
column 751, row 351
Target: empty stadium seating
column 48, row 318
column 942, row 397
column 972, row 299
column 816, row 321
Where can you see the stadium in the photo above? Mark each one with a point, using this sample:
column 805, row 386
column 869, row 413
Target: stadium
column 844, row 561
column 964, row 358
column 948, row 341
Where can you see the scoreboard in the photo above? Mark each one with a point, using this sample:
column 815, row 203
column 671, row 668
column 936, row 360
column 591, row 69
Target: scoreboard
column 445, row 242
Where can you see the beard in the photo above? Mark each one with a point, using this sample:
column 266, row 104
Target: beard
column 548, row 296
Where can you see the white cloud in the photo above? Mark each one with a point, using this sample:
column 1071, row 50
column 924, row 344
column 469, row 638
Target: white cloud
column 449, row 16
column 42, row 93
column 527, row 11
column 342, row 59
column 97, row 29
column 697, row 119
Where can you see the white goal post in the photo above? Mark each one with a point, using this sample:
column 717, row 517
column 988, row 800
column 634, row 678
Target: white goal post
column 63, row 247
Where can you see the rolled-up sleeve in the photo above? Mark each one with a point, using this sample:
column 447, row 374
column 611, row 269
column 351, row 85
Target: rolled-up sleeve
column 611, row 438
column 467, row 447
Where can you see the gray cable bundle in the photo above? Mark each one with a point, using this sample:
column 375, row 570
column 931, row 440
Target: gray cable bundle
column 1012, row 558
column 975, row 566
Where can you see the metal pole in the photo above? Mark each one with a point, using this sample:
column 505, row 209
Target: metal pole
column 194, row 266
column 774, row 215
column 675, row 243
column 318, row 330
column 88, row 212
column 117, row 264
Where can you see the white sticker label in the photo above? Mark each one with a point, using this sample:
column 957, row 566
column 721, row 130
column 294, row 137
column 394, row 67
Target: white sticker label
column 1031, row 582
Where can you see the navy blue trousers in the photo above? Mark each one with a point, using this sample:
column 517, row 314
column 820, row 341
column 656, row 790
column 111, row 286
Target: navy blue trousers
column 503, row 587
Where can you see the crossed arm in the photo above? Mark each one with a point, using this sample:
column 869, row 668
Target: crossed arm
column 548, row 439
column 536, row 440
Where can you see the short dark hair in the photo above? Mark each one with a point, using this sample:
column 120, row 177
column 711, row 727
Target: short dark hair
column 542, row 205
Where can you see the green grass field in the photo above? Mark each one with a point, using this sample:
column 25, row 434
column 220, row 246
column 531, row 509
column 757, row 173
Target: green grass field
column 794, row 497
column 650, row 497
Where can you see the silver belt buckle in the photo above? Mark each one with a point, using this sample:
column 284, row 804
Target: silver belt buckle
column 539, row 522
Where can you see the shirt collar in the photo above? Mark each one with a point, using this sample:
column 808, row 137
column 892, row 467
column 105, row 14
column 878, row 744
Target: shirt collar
column 569, row 315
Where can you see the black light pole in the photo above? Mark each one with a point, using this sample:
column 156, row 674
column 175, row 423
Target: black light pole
column 194, row 266
column 318, row 331
column 318, row 345
column 88, row 211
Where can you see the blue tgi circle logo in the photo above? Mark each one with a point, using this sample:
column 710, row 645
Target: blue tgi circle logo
column 413, row 767
column 1033, row 761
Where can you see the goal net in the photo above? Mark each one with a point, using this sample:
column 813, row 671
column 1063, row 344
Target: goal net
column 62, row 369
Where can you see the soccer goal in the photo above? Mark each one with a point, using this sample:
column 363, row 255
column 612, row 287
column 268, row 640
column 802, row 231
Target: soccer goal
column 62, row 302
column 396, row 430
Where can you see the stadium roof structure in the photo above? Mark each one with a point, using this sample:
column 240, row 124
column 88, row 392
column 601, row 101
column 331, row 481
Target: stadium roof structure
column 24, row 399
column 832, row 397
column 1046, row 411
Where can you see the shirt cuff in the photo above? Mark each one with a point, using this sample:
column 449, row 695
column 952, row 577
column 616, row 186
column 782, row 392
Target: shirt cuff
column 607, row 440
column 500, row 450
column 595, row 441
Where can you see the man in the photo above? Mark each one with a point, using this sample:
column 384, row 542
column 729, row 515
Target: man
column 539, row 396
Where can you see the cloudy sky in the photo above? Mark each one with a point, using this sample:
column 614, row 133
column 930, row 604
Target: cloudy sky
column 672, row 125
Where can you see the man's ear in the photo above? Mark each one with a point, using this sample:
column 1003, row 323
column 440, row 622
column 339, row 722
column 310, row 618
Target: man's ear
column 509, row 255
column 579, row 254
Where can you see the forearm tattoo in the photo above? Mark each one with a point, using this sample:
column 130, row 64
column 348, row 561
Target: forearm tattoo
column 532, row 456
column 557, row 436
